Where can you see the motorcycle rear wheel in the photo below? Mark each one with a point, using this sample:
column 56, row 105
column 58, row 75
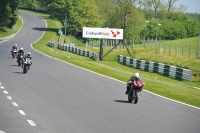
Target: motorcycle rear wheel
column 130, row 97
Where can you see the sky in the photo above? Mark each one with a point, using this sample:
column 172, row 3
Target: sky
column 192, row 5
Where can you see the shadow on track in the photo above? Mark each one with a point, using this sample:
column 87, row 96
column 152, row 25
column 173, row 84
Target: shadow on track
column 40, row 29
column 121, row 101
column 19, row 72
column 13, row 65
column 11, row 57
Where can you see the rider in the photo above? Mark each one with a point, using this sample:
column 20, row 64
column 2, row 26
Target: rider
column 14, row 47
column 129, row 83
column 28, row 57
column 20, row 52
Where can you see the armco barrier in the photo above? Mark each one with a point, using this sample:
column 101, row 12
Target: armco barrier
column 163, row 69
column 73, row 49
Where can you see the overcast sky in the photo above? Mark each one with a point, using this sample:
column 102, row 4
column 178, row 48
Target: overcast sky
column 192, row 5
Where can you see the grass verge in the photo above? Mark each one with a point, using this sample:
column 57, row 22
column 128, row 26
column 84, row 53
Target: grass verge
column 5, row 31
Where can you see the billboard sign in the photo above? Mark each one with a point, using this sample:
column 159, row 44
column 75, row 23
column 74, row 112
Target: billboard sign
column 106, row 33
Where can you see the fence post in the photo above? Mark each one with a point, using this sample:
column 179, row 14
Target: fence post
column 182, row 50
column 199, row 74
column 164, row 47
column 197, row 51
column 176, row 49
column 189, row 51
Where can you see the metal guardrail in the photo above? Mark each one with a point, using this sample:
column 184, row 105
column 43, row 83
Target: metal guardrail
column 163, row 69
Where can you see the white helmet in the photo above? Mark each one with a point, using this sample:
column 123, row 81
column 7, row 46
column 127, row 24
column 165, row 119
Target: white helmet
column 16, row 45
column 137, row 75
column 28, row 54
column 21, row 48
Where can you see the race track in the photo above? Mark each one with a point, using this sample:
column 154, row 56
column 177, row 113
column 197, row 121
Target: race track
column 57, row 97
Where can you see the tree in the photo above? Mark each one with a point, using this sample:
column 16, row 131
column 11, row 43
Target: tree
column 125, row 15
column 156, row 4
column 170, row 4
column 79, row 13
column 8, row 13
column 14, row 12
column 4, row 13
column 29, row 3
column 192, row 27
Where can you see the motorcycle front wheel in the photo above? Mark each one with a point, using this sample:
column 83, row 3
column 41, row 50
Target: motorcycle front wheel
column 136, row 97
column 24, row 69
column 19, row 62
column 130, row 97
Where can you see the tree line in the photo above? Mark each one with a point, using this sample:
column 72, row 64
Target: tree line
column 8, row 13
column 140, row 19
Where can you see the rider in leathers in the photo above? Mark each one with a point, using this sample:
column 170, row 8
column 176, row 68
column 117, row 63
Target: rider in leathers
column 129, row 83
column 28, row 57
column 14, row 47
column 20, row 52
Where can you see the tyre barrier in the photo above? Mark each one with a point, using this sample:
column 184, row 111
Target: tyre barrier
column 163, row 69
column 72, row 48
column 52, row 43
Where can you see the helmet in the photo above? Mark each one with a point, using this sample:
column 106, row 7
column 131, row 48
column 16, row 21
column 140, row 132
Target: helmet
column 28, row 54
column 137, row 75
column 21, row 48
column 16, row 45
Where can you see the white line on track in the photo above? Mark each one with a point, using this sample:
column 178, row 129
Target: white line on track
column 2, row 87
column 172, row 100
column 9, row 97
column 21, row 112
column 31, row 122
column 15, row 104
column 5, row 92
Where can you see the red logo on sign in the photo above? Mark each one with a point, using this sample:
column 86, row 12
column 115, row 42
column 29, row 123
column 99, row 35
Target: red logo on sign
column 115, row 33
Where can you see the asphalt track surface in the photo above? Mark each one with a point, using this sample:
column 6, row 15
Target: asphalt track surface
column 57, row 97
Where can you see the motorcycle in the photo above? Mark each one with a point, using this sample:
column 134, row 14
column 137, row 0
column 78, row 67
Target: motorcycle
column 26, row 66
column 14, row 53
column 134, row 92
column 20, row 60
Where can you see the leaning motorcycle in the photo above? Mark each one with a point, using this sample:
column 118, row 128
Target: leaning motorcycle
column 26, row 66
column 20, row 60
column 14, row 53
column 133, row 95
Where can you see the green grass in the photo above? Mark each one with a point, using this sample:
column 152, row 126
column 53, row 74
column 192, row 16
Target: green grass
column 165, row 86
column 5, row 31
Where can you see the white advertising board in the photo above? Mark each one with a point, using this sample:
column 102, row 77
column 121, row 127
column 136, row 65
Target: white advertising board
column 106, row 33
